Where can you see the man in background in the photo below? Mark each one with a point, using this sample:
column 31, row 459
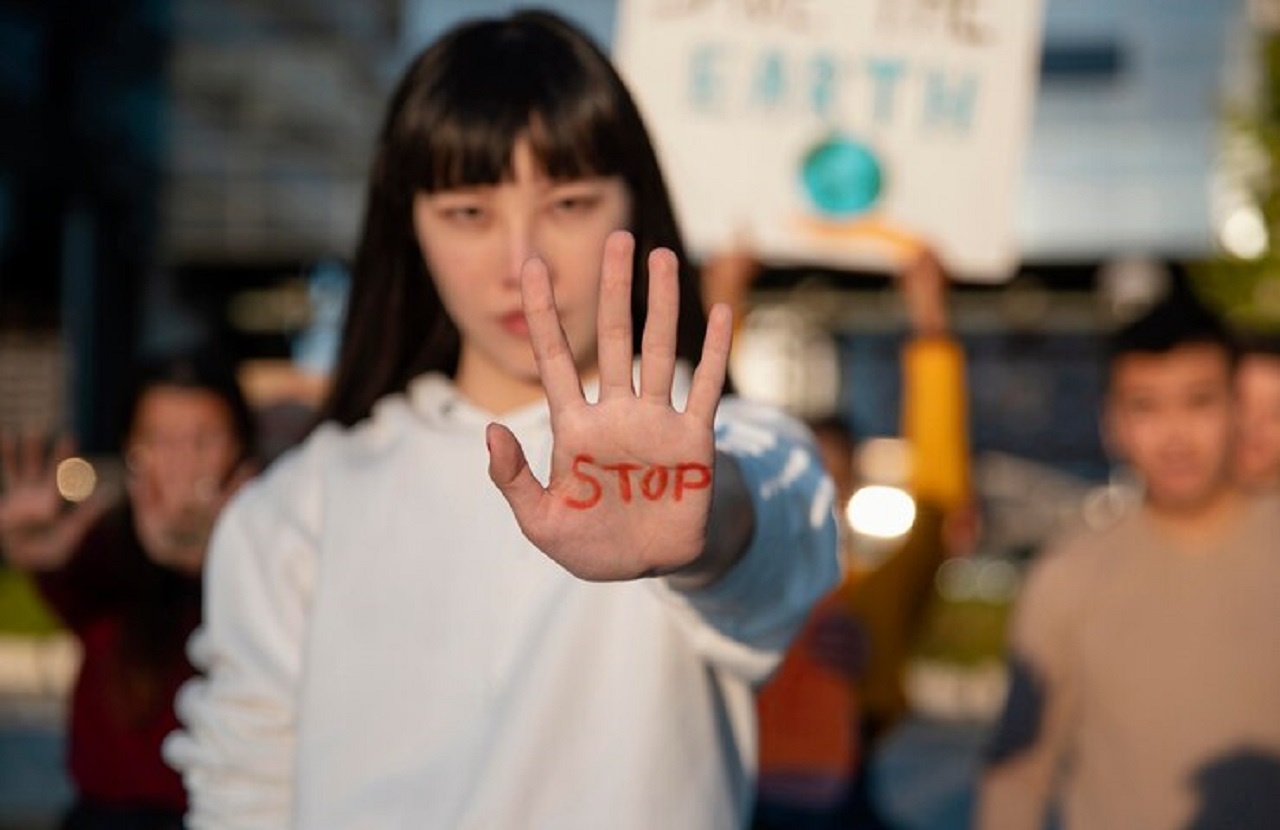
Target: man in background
column 1145, row 688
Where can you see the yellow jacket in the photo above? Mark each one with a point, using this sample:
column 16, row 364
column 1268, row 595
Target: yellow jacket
column 890, row 599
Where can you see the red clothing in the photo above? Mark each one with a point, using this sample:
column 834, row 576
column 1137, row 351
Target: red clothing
column 807, row 716
column 132, row 618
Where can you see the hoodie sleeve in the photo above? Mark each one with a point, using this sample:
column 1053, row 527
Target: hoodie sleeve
column 236, row 749
column 744, row 621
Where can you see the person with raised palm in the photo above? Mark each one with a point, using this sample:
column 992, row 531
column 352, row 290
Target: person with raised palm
column 518, row 577
column 608, row 526
column 124, row 576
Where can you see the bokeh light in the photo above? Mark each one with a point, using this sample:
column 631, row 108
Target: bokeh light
column 881, row 512
column 76, row 479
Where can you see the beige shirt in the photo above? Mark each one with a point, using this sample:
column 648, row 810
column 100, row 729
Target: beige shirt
column 1150, row 690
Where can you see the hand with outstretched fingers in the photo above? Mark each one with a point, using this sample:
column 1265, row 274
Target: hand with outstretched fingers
column 174, row 522
column 37, row 531
column 631, row 476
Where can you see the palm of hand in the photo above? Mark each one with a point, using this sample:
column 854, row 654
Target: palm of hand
column 631, row 477
column 33, row 504
column 631, row 481
column 34, row 529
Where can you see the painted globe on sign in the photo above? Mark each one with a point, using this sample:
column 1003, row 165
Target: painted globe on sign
column 842, row 177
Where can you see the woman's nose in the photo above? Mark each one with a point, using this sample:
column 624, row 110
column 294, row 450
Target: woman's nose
column 521, row 247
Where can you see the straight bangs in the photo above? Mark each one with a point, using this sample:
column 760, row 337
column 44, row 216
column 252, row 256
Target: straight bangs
column 453, row 122
column 523, row 84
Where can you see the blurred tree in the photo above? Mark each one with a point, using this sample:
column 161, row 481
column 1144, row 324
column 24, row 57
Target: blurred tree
column 1244, row 280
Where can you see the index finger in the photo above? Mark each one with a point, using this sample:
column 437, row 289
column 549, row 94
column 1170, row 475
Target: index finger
column 551, row 349
column 708, row 378
column 33, row 464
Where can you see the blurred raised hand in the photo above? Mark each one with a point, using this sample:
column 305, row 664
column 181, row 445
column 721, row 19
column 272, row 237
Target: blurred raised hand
column 38, row 529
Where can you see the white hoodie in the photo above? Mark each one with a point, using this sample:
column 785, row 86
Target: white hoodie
column 385, row 649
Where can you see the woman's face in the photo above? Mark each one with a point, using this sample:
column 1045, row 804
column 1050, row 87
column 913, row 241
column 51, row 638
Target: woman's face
column 475, row 241
column 183, row 442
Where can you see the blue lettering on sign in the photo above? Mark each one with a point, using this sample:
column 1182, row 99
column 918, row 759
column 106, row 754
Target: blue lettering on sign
column 875, row 91
column 770, row 84
column 706, row 84
column 949, row 102
column 822, row 84
column 885, row 75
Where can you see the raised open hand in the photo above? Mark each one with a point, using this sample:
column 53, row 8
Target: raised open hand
column 631, row 476
column 37, row 532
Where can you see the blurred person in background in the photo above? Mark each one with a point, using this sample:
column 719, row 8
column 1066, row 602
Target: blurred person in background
column 1258, row 390
column 125, row 577
column 1145, row 656
column 841, row 688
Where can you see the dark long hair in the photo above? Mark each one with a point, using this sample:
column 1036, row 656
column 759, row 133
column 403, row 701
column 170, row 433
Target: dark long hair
column 453, row 121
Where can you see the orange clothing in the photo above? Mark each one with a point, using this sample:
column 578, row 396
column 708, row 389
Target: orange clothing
column 935, row 421
column 807, row 724
column 891, row 599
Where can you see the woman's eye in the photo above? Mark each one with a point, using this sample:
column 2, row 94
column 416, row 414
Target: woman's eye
column 572, row 203
column 463, row 214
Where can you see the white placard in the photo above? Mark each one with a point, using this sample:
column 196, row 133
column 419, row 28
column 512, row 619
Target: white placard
column 827, row 131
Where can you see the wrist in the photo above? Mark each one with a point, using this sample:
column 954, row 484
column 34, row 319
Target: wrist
column 730, row 529
column 34, row 546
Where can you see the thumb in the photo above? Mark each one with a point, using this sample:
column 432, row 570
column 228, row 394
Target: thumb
column 510, row 473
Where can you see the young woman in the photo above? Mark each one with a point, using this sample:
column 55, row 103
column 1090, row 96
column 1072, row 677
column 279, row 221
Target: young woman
column 519, row 578
column 126, row 579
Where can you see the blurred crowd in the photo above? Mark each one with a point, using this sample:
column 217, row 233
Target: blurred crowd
column 1109, row 659
column 1143, row 650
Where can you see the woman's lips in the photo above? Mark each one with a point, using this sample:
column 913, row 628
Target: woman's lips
column 514, row 324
